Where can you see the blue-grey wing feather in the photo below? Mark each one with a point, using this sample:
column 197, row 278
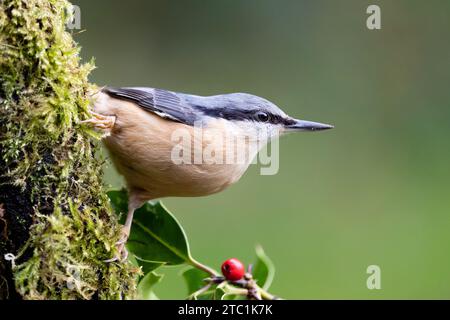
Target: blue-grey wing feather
column 166, row 104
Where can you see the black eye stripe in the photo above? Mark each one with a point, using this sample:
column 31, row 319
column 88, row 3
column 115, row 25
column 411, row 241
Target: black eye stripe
column 240, row 115
column 226, row 113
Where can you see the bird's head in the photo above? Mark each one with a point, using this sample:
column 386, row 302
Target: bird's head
column 252, row 113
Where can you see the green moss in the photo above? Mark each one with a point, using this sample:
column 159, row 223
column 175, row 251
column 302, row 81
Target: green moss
column 51, row 183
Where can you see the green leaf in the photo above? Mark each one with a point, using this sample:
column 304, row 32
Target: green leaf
column 145, row 286
column 263, row 269
column 148, row 266
column 155, row 234
column 220, row 294
column 194, row 279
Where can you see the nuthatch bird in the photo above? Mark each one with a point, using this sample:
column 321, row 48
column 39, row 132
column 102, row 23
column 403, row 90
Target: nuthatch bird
column 139, row 124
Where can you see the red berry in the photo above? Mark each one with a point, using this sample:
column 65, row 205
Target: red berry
column 233, row 269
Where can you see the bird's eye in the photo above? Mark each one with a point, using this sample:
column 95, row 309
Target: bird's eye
column 262, row 116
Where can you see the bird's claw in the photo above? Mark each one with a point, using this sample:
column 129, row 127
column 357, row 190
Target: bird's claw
column 120, row 246
column 122, row 241
column 121, row 256
column 101, row 122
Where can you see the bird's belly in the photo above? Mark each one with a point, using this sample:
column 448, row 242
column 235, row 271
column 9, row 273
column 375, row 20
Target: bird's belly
column 163, row 178
column 141, row 149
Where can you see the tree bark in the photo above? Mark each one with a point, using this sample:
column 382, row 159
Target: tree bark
column 56, row 225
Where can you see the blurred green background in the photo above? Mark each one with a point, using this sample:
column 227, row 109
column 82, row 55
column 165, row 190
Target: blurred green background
column 376, row 190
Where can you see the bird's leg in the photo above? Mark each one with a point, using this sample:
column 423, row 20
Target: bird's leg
column 102, row 122
column 125, row 233
column 133, row 204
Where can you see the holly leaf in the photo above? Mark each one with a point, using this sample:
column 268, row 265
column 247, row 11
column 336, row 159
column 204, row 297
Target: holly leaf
column 156, row 235
column 145, row 286
column 148, row 266
column 220, row 294
column 194, row 279
column 263, row 269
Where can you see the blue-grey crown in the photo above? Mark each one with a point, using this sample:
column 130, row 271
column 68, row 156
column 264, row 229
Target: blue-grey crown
column 187, row 108
column 238, row 107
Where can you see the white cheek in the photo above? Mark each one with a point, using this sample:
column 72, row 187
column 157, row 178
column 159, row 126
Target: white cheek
column 260, row 133
column 256, row 132
column 268, row 131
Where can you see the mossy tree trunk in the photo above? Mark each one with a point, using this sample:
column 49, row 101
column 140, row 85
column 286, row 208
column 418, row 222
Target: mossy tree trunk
column 56, row 226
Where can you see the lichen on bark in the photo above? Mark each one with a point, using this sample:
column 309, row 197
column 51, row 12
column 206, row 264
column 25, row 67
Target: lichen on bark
column 55, row 218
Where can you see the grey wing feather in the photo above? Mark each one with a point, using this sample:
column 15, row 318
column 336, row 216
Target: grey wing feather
column 165, row 104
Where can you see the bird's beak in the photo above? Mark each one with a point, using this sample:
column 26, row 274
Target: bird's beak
column 302, row 125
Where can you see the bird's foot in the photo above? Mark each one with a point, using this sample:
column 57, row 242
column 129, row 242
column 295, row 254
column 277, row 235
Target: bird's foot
column 122, row 252
column 102, row 122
